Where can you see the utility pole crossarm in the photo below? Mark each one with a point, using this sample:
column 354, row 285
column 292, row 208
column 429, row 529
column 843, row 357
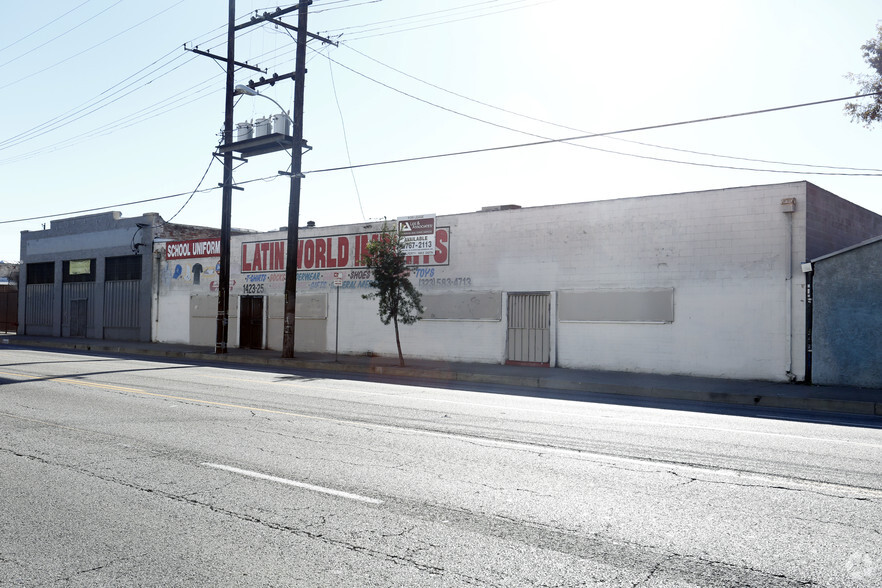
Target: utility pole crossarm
column 219, row 58
column 283, row 24
column 271, row 81
column 267, row 15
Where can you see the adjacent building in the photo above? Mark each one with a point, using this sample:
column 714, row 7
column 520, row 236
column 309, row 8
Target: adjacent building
column 846, row 316
column 94, row 276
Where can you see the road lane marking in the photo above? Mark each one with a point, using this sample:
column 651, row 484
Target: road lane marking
column 625, row 420
column 631, row 421
column 77, row 382
column 294, row 483
column 656, row 464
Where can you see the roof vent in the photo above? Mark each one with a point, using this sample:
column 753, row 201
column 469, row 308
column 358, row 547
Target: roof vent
column 500, row 207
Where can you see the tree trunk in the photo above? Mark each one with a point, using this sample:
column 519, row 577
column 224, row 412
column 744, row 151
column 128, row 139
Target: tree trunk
column 398, row 341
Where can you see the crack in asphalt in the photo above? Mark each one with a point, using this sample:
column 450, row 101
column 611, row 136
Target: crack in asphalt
column 795, row 481
column 301, row 532
column 594, row 547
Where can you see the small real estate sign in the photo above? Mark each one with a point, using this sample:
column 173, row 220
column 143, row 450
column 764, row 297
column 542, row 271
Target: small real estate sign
column 417, row 234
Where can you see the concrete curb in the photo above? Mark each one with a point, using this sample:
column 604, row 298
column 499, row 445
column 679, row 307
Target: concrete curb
column 753, row 396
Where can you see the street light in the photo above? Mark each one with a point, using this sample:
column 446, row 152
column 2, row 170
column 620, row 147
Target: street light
column 243, row 89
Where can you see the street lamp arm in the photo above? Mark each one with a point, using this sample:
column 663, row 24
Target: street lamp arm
column 243, row 89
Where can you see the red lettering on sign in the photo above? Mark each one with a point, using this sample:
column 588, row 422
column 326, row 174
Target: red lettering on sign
column 309, row 254
column 278, row 256
column 320, row 254
column 330, row 249
column 342, row 251
column 255, row 261
column 441, row 240
column 246, row 267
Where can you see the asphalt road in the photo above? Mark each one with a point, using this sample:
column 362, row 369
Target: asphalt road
column 118, row 472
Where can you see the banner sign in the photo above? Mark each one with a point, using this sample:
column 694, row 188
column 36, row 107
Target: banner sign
column 417, row 234
column 80, row 267
column 193, row 248
column 337, row 251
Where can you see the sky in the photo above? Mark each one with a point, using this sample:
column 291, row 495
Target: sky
column 104, row 109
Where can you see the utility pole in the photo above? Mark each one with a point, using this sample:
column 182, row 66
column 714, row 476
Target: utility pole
column 258, row 147
column 223, row 290
column 296, row 176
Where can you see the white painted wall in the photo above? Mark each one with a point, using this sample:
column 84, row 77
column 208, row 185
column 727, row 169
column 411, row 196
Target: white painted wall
column 177, row 285
column 738, row 304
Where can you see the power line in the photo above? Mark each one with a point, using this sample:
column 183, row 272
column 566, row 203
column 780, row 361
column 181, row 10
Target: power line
column 645, row 144
column 37, row 30
column 76, row 113
column 422, row 17
column 196, row 189
column 345, row 139
column 107, row 40
column 631, row 130
column 511, row 146
column 95, row 104
column 565, row 140
column 28, row 52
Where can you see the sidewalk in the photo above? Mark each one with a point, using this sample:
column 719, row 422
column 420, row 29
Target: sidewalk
column 842, row 399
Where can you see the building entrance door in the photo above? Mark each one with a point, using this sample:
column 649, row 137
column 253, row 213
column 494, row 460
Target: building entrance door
column 251, row 322
column 529, row 329
column 79, row 315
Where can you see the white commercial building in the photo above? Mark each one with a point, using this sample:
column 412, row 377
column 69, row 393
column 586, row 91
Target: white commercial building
column 701, row 283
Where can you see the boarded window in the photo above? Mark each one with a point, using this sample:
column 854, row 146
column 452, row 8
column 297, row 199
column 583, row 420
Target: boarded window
column 618, row 306
column 41, row 273
column 124, row 267
column 474, row 306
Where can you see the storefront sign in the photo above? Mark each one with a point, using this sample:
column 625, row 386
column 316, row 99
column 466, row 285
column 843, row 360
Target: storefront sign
column 338, row 251
column 193, row 248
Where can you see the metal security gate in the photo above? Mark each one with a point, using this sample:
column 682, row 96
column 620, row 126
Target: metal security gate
column 529, row 329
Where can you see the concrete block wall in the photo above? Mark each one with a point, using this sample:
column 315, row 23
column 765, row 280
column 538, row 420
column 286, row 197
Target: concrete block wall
column 847, row 318
column 835, row 223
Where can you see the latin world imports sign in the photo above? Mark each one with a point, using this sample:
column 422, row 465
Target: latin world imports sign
column 334, row 252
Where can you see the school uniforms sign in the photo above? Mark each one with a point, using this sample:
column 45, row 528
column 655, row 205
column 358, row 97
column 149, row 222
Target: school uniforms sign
column 192, row 248
column 190, row 263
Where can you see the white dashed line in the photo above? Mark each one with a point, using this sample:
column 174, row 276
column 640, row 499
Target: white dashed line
column 294, row 483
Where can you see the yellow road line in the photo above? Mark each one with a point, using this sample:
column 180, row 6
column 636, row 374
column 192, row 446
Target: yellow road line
column 182, row 398
column 77, row 382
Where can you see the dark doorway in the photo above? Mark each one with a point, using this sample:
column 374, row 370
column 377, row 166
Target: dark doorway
column 251, row 322
column 8, row 309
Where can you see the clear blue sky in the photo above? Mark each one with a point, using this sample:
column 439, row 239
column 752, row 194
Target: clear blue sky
column 102, row 106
